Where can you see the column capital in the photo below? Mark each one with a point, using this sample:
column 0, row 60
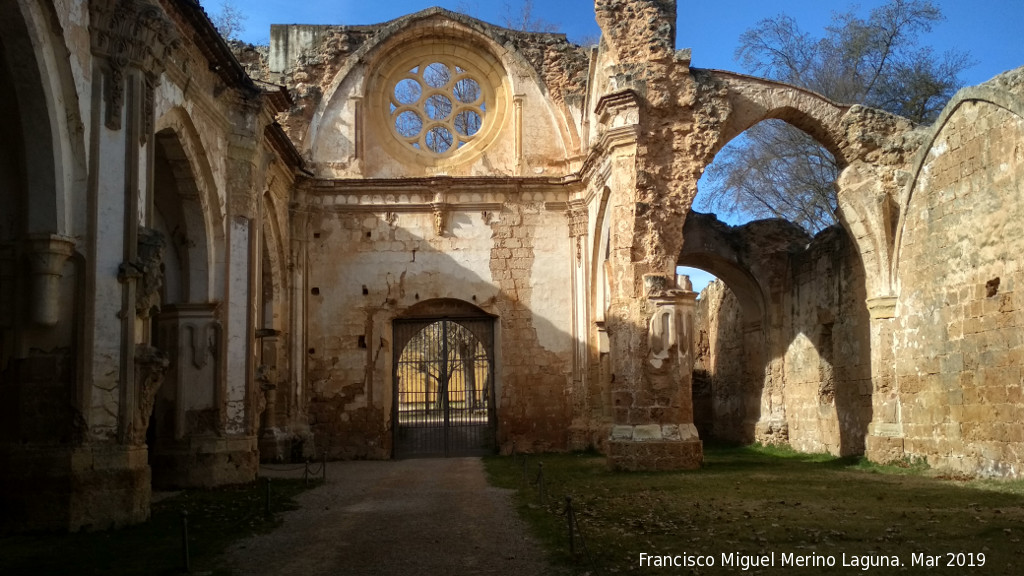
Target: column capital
column 47, row 254
column 129, row 33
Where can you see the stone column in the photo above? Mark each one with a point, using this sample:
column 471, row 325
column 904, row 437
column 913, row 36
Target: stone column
column 47, row 254
column 583, row 427
column 107, row 474
column 654, row 427
column 885, row 440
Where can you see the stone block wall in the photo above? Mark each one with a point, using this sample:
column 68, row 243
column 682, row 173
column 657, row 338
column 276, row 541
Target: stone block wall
column 726, row 395
column 814, row 389
column 827, row 364
column 958, row 343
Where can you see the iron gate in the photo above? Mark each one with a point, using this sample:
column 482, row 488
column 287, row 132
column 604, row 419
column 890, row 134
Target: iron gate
column 444, row 387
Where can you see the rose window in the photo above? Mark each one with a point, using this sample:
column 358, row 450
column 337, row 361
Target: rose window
column 437, row 108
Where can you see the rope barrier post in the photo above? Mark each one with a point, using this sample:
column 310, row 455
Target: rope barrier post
column 571, row 520
column 540, row 483
column 266, row 500
column 184, row 541
column 323, row 462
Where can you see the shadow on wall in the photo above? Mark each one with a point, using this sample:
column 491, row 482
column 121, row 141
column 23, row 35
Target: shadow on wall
column 367, row 270
column 784, row 344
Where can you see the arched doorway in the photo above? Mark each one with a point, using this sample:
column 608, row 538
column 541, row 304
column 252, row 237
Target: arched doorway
column 443, row 387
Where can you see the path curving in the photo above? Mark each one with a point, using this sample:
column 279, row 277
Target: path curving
column 396, row 518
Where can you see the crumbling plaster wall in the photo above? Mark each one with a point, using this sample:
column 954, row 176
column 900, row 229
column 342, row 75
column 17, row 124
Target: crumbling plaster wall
column 506, row 253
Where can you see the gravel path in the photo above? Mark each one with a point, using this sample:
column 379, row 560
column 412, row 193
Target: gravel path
column 406, row 517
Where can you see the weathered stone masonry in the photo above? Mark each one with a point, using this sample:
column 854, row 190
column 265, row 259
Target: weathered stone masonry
column 205, row 250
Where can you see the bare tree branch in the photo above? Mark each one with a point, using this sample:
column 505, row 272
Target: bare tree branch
column 775, row 170
column 229, row 20
column 524, row 19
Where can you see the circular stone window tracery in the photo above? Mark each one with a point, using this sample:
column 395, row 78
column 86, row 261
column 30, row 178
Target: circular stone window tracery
column 437, row 106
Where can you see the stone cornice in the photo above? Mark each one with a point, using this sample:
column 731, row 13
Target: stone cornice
column 425, row 194
column 609, row 104
column 610, row 141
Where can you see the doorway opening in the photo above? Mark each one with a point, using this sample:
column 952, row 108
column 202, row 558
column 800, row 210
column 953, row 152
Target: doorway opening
column 444, row 387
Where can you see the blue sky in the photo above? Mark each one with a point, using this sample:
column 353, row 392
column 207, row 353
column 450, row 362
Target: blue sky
column 990, row 30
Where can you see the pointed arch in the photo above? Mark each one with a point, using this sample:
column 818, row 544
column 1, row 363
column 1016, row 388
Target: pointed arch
column 202, row 210
column 47, row 116
column 276, row 258
column 991, row 93
column 753, row 100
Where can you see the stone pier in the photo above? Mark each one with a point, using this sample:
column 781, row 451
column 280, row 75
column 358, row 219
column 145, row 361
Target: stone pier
column 656, row 432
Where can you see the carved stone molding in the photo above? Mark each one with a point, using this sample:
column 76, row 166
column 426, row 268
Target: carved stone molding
column 129, row 33
column 441, row 211
column 618, row 109
column 670, row 329
column 578, row 220
column 147, row 269
column 150, row 366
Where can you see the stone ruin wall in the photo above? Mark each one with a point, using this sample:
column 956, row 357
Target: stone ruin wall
column 724, row 391
column 821, row 379
column 827, row 363
column 805, row 380
column 939, row 377
column 364, row 268
column 958, row 335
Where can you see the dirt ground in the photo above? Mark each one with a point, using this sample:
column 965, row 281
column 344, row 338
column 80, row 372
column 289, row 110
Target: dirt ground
column 406, row 517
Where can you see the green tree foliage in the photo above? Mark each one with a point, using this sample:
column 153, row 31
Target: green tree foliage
column 777, row 171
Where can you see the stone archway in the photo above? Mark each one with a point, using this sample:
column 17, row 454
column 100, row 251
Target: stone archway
column 443, row 383
column 187, row 327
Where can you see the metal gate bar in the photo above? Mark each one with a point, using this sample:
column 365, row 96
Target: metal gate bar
column 444, row 382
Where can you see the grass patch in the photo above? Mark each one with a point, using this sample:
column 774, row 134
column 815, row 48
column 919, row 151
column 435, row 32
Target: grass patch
column 216, row 519
column 752, row 501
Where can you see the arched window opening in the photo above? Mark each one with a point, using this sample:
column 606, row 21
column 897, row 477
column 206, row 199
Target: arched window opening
column 772, row 170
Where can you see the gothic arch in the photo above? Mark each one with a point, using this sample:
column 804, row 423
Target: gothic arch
column 705, row 247
column 202, row 211
column 276, row 259
column 47, row 116
column 599, row 293
column 991, row 93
